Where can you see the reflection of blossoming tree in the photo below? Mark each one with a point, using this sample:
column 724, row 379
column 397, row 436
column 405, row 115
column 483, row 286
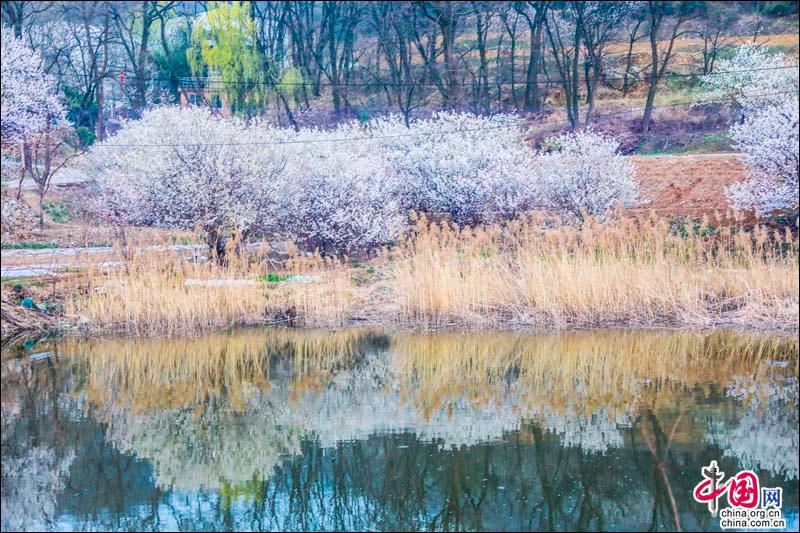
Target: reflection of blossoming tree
column 767, row 435
column 594, row 433
column 31, row 484
column 206, row 447
column 210, row 445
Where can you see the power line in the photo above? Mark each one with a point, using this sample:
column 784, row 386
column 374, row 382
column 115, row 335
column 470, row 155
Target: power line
column 211, row 81
column 417, row 134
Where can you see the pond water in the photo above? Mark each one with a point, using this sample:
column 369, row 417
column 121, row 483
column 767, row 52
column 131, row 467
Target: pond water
column 363, row 430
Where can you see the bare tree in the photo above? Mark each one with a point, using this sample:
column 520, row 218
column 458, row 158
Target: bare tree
column 715, row 19
column 601, row 22
column 47, row 159
column 134, row 24
column 446, row 15
column 661, row 13
column 483, row 13
column 87, row 65
column 403, row 83
column 565, row 33
column 19, row 13
column 534, row 13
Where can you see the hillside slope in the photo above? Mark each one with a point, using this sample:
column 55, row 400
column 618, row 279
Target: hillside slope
column 680, row 186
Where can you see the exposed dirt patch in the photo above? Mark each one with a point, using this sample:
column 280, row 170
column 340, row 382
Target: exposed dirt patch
column 687, row 185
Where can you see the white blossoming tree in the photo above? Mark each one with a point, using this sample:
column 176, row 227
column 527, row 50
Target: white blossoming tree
column 584, row 173
column 752, row 77
column 186, row 168
column 30, row 99
column 769, row 139
column 341, row 195
column 467, row 166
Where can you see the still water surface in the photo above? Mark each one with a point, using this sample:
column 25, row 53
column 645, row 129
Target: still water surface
column 299, row 430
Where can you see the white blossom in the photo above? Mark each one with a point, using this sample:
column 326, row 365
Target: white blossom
column 352, row 187
column 464, row 165
column 766, row 437
column 30, row 99
column 340, row 194
column 753, row 77
column 186, row 168
column 584, row 172
column 769, row 139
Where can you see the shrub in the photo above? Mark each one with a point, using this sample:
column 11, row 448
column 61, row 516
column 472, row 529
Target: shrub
column 463, row 165
column 584, row 173
column 340, row 195
column 769, row 139
column 185, row 168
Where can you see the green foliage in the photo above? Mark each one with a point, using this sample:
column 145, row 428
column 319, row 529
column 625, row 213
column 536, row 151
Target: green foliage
column 363, row 115
column 85, row 136
column 174, row 65
column 25, row 245
column 290, row 82
column 684, row 230
column 780, row 9
column 710, row 143
column 80, row 114
column 224, row 46
column 58, row 213
column 272, row 278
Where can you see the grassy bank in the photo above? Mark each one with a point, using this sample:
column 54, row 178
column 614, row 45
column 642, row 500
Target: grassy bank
column 632, row 273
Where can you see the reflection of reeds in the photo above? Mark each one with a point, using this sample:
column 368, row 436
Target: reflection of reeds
column 221, row 411
column 587, row 370
column 175, row 372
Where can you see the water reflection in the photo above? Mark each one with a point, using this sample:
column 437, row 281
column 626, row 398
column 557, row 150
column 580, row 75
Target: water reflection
column 287, row 429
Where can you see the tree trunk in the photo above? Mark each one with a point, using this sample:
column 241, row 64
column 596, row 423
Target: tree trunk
column 532, row 98
column 217, row 245
column 653, row 78
column 25, row 165
column 574, row 98
column 41, row 208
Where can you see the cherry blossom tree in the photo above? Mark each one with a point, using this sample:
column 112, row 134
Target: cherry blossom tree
column 769, row 139
column 186, row 168
column 341, row 194
column 467, row 166
column 584, row 173
column 752, row 77
column 29, row 96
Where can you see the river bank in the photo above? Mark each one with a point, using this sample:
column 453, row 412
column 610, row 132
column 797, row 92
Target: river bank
column 518, row 276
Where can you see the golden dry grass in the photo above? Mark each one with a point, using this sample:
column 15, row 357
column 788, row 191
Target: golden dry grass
column 632, row 273
column 520, row 275
column 163, row 294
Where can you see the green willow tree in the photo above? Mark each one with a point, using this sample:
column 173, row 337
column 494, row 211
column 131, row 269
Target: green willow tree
column 224, row 48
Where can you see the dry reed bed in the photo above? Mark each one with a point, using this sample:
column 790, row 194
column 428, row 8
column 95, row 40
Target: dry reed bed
column 520, row 275
column 628, row 273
